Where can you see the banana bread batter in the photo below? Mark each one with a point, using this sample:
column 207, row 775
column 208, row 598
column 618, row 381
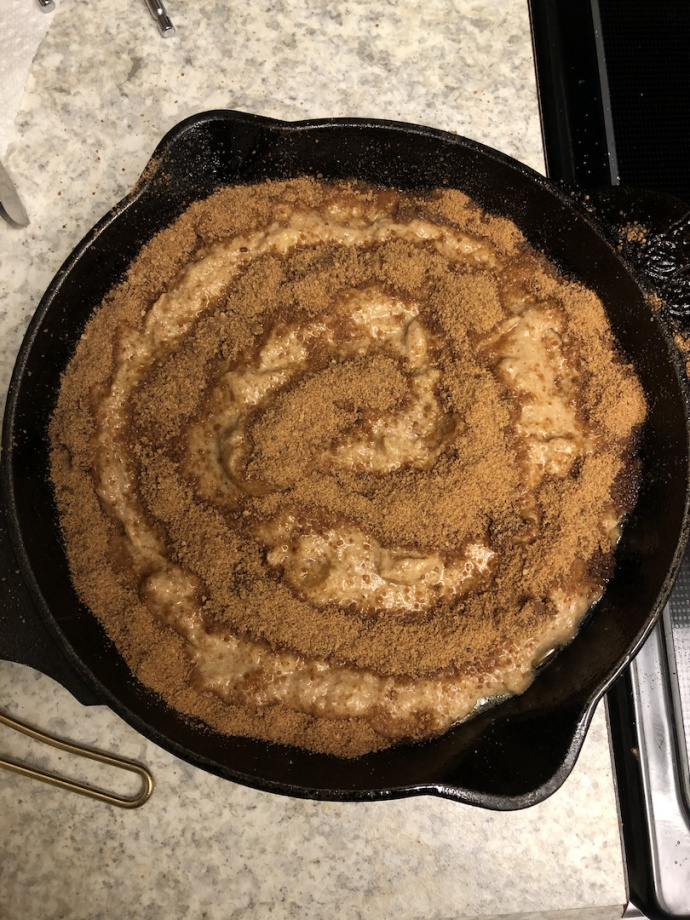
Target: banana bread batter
column 338, row 465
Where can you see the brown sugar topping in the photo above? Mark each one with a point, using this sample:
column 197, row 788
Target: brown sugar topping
column 334, row 463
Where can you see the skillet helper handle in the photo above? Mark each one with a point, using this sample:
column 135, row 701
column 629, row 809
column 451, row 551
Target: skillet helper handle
column 93, row 792
column 652, row 232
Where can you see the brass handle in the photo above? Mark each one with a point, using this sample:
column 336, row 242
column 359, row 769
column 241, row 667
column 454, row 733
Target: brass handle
column 73, row 786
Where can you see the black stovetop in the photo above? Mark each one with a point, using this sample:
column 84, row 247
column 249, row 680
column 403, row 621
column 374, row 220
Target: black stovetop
column 614, row 90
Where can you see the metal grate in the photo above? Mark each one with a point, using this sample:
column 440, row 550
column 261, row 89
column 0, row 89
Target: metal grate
column 678, row 648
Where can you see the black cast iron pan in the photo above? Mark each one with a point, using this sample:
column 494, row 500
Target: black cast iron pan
column 509, row 757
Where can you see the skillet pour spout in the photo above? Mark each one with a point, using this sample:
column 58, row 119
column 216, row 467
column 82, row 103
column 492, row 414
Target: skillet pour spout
column 508, row 757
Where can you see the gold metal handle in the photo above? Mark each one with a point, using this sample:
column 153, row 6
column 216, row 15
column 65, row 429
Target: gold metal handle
column 82, row 788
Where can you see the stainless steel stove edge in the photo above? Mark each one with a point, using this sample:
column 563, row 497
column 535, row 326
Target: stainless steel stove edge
column 650, row 763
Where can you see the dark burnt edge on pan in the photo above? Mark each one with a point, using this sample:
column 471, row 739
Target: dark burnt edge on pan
column 155, row 173
column 651, row 231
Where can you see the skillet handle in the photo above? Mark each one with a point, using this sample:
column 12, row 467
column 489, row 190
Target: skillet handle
column 651, row 230
column 93, row 792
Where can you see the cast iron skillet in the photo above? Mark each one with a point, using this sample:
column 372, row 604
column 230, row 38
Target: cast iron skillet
column 511, row 756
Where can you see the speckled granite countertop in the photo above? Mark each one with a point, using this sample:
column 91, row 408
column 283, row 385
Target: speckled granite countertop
column 103, row 89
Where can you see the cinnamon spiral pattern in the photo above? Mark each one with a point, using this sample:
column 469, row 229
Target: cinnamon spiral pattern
column 368, row 462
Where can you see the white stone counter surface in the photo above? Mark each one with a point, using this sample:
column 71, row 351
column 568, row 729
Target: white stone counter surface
column 103, row 89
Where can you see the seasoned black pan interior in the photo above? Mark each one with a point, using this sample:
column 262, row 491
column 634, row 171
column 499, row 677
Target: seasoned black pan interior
column 510, row 756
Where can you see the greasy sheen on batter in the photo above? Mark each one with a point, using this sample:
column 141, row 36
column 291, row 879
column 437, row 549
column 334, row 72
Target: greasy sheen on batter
column 336, row 465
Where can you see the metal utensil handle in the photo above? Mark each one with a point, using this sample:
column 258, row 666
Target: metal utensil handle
column 80, row 751
column 160, row 14
column 10, row 202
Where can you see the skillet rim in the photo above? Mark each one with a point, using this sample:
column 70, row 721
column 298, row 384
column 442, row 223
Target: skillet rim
column 156, row 162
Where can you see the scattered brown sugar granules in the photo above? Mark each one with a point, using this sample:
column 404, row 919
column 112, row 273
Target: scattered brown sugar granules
column 335, row 462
